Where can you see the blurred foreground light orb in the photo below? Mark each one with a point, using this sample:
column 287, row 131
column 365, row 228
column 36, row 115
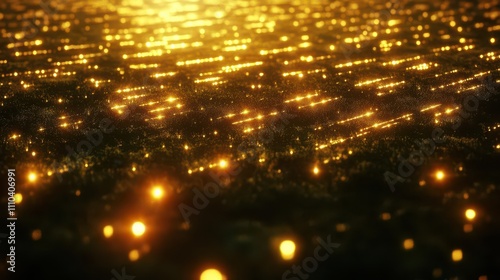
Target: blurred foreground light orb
column 470, row 214
column 316, row 170
column 287, row 249
column 211, row 274
column 440, row 175
column 223, row 163
column 133, row 255
column 157, row 192
column 107, row 231
column 138, row 228
column 457, row 255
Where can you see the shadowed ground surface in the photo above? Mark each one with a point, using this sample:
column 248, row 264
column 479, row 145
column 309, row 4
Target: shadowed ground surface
column 300, row 116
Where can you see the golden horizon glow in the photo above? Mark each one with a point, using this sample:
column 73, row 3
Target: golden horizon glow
column 138, row 229
column 211, row 274
column 287, row 249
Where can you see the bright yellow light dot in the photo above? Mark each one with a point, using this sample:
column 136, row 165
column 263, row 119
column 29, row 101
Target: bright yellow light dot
column 186, row 147
column 408, row 244
column 287, row 249
column 316, row 170
column 492, row 40
column 107, row 231
column 211, row 274
column 157, row 192
column 440, row 175
column 457, row 255
column 18, row 198
column 32, row 177
column 470, row 214
column 138, row 228
column 223, row 163
column 133, row 255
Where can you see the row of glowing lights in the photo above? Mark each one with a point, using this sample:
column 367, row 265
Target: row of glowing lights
column 287, row 247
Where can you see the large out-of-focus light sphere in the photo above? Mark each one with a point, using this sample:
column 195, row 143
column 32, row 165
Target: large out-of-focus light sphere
column 138, row 228
column 211, row 274
column 107, row 231
column 287, row 249
column 457, row 255
column 470, row 214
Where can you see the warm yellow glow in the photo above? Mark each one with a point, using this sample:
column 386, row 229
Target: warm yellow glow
column 470, row 214
column 133, row 255
column 32, row 177
column 440, row 175
column 316, row 170
column 223, row 163
column 492, row 40
column 138, row 228
column 211, row 274
column 18, row 198
column 107, row 231
column 287, row 249
column 457, row 255
column 408, row 244
column 157, row 192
